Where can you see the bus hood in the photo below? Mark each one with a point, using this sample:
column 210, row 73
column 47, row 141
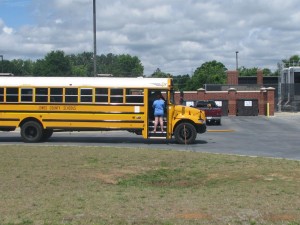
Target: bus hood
column 188, row 112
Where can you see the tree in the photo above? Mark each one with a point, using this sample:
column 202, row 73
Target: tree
column 292, row 61
column 38, row 67
column 180, row 82
column 267, row 72
column 243, row 72
column 18, row 67
column 82, row 64
column 21, row 67
column 107, row 64
column 128, row 66
column 212, row 72
column 54, row 64
column 159, row 74
column 247, row 72
column 118, row 65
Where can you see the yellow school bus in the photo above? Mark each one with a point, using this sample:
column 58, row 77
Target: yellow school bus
column 40, row 106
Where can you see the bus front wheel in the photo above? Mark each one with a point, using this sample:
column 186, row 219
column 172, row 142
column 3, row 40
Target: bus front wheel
column 31, row 132
column 185, row 133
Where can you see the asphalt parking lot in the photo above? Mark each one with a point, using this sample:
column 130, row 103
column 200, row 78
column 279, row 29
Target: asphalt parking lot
column 277, row 136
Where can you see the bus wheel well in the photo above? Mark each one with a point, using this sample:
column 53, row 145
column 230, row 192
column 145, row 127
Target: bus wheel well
column 184, row 121
column 30, row 119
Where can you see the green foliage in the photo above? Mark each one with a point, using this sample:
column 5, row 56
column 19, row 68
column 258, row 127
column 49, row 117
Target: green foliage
column 247, row 72
column 159, row 74
column 54, row 64
column 212, row 72
column 180, row 82
column 267, row 72
column 128, row 66
column 82, row 64
column 117, row 65
column 292, row 61
column 107, row 64
column 18, row 66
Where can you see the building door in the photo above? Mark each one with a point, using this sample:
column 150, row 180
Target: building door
column 247, row 107
column 224, row 106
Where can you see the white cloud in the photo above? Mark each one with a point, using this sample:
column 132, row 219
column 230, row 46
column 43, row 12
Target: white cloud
column 176, row 36
column 7, row 30
column 58, row 21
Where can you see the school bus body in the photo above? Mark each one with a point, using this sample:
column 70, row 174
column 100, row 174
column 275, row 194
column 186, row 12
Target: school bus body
column 126, row 105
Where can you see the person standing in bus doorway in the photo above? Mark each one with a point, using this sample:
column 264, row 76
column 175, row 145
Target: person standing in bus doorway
column 159, row 106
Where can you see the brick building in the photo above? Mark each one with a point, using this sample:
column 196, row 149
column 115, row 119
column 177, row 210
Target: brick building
column 237, row 98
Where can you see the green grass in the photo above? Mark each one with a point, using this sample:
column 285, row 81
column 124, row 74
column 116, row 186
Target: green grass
column 92, row 185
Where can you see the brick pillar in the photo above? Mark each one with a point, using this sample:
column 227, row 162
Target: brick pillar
column 201, row 94
column 232, row 77
column 177, row 97
column 262, row 105
column 260, row 77
column 232, row 102
column 271, row 100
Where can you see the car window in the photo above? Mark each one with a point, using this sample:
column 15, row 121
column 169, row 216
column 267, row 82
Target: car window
column 201, row 104
column 205, row 104
column 213, row 104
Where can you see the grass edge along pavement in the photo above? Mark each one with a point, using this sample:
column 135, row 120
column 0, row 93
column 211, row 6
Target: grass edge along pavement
column 100, row 185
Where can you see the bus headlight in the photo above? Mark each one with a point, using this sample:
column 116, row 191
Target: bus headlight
column 202, row 121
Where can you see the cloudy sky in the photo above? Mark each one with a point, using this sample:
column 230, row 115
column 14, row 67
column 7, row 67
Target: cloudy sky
column 176, row 36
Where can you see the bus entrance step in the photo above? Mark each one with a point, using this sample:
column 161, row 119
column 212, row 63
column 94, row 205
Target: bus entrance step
column 158, row 134
column 151, row 137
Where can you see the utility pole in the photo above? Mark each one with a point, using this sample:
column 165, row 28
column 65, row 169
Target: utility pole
column 1, row 63
column 236, row 58
column 95, row 40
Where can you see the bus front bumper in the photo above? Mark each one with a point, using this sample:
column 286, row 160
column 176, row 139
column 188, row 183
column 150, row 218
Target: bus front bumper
column 201, row 128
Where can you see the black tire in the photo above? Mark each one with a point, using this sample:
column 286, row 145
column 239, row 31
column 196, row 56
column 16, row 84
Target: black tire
column 185, row 133
column 47, row 133
column 31, row 132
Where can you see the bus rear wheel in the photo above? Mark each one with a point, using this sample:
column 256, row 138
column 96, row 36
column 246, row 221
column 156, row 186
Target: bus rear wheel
column 185, row 133
column 47, row 133
column 31, row 132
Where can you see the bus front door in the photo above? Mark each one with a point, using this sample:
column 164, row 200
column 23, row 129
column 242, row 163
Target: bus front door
column 152, row 96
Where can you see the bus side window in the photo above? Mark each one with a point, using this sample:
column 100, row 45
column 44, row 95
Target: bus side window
column 86, row 95
column 12, row 94
column 116, row 95
column 134, row 96
column 1, row 94
column 41, row 95
column 101, row 95
column 71, row 95
column 56, row 94
column 26, row 94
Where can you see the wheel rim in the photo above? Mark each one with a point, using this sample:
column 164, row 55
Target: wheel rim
column 185, row 133
column 31, row 132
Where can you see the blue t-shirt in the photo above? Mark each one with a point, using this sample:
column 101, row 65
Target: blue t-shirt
column 159, row 106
